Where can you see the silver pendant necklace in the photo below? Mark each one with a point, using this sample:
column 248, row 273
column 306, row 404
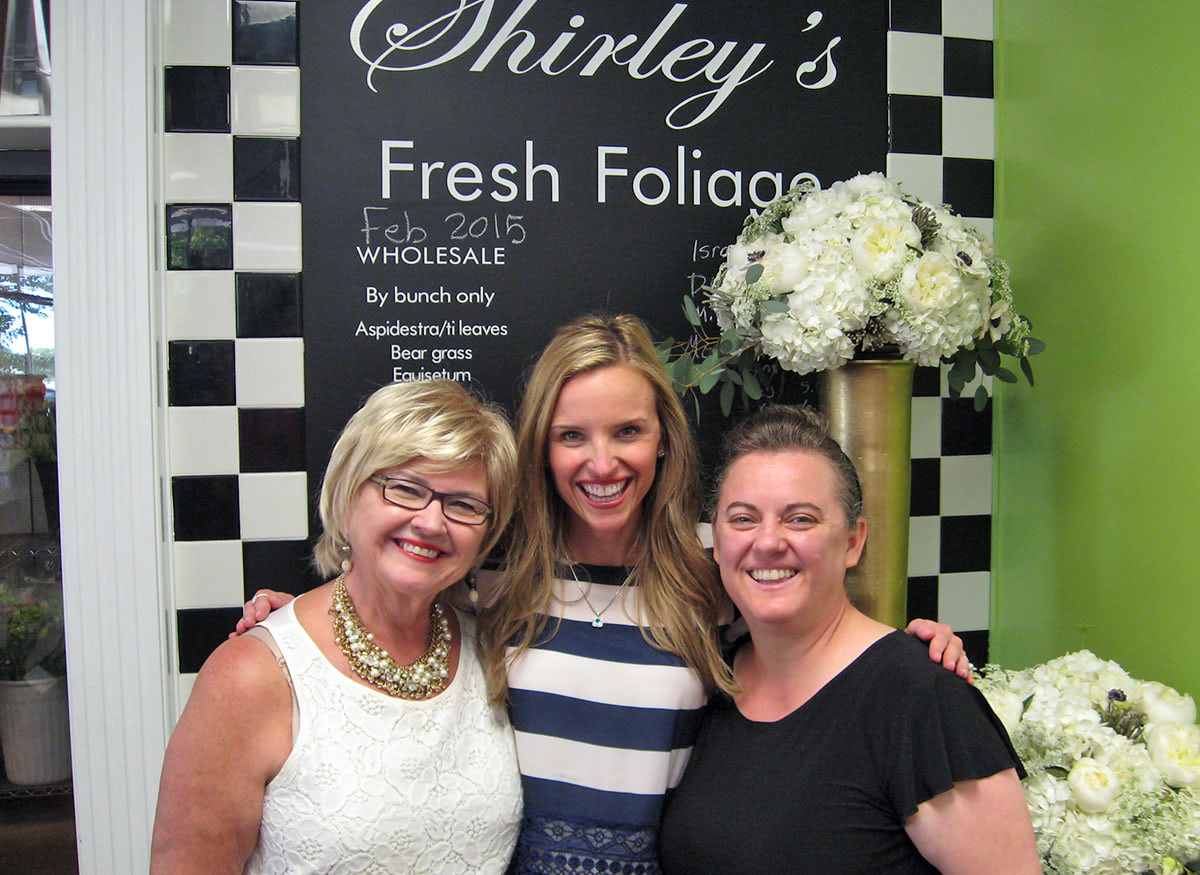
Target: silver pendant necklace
column 597, row 616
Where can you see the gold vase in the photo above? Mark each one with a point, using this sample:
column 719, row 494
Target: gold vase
column 868, row 405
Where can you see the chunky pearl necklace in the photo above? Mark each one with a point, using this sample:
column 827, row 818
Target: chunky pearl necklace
column 426, row 676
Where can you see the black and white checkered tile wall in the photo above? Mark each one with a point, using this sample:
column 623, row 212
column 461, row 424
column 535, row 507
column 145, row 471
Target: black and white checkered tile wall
column 233, row 313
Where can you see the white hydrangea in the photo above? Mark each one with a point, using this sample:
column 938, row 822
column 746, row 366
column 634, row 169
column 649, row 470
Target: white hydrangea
column 856, row 270
column 1112, row 785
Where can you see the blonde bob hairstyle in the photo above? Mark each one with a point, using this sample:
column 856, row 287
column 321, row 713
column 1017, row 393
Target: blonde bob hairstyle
column 436, row 423
column 680, row 597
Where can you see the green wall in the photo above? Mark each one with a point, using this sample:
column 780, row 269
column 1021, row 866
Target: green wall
column 1097, row 468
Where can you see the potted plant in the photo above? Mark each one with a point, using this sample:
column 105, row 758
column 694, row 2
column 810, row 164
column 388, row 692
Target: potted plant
column 33, row 688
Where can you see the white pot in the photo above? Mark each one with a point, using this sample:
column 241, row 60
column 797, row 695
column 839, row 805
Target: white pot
column 34, row 731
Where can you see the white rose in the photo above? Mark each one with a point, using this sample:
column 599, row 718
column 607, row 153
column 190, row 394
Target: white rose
column 1163, row 704
column 1175, row 749
column 931, row 283
column 881, row 247
column 1008, row 707
column 1093, row 786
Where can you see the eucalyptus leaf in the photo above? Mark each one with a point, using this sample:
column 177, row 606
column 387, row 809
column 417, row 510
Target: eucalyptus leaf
column 726, row 396
column 1033, row 346
column 690, row 311
column 754, row 274
column 981, row 398
column 751, row 386
column 710, row 379
column 1005, row 375
column 1027, row 370
column 775, row 306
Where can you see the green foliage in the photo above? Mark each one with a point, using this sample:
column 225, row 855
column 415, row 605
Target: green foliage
column 31, row 631
column 36, row 434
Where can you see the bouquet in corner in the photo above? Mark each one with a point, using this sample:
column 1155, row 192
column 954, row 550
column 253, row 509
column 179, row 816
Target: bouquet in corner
column 1112, row 763
column 821, row 276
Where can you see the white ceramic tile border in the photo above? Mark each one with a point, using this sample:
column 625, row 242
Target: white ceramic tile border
column 197, row 32
column 915, row 62
column 202, row 440
column 198, row 168
column 273, row 507
column 269, row 372
column 265, row 101
column 266, row 236
column 208, row 574
column 964, row 600
column 966, row 485
column 200, row 304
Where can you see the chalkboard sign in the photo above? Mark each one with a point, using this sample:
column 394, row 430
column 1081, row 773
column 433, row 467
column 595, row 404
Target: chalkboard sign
column 478, row 172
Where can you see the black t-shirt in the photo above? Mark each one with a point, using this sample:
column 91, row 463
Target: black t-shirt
column 828, row 787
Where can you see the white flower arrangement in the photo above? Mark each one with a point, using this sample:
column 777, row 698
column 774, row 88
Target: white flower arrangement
column 1112, row 763
column 822, row 275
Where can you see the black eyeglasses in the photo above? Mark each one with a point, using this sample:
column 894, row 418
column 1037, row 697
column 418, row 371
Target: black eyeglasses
column 465, row 509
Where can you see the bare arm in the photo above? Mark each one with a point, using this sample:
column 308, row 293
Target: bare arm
column 944, row 646
column 231, row 740
column 978, row 826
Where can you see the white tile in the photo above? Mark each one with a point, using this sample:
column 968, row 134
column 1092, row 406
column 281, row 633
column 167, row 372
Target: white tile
column 208, row 574
column 969, row 127
column 200, row 305
column 266, row 236
column 924, row 545
column 202, row 440
column 183, row 690
column 270, row 372
column 919, row 175
column 273, row 506
column 971, row 19
column 926, row 428
column 198, row 168
column 197, row 32
column 964, row 600
column 265, row 101
column 966, row 487
column 915, row 63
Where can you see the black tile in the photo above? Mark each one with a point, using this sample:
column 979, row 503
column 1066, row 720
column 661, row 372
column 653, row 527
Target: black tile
column 206, row 508
column 196, row 99
column 916, row 124
column 967, row 69
column 977, row 645
column 927, row 382
column 965, row 430
column 923, row 598
column 200, row 236
column 926, row 487
column 268, row 305
column 966, row 544
column 284, row 566
column 968, row 186
column 201, row 631
column 266, row 169
column 271, row 439
column 264, row 32
column 917, row 16
column 200, row 373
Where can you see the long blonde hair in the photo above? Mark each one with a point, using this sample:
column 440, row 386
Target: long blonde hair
column 680, row 596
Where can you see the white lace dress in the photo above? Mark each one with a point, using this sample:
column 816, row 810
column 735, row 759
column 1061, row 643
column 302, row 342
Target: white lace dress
column 376, row 784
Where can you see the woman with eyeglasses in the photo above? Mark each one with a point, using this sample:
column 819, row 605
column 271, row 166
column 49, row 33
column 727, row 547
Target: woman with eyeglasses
column 351, row 731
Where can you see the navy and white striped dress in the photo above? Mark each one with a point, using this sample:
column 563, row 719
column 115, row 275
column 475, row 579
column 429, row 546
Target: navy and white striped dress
column 604, row 725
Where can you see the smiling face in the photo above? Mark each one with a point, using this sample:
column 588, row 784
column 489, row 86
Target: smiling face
column 781, row 538
column 603, row 455
column 415, row 554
